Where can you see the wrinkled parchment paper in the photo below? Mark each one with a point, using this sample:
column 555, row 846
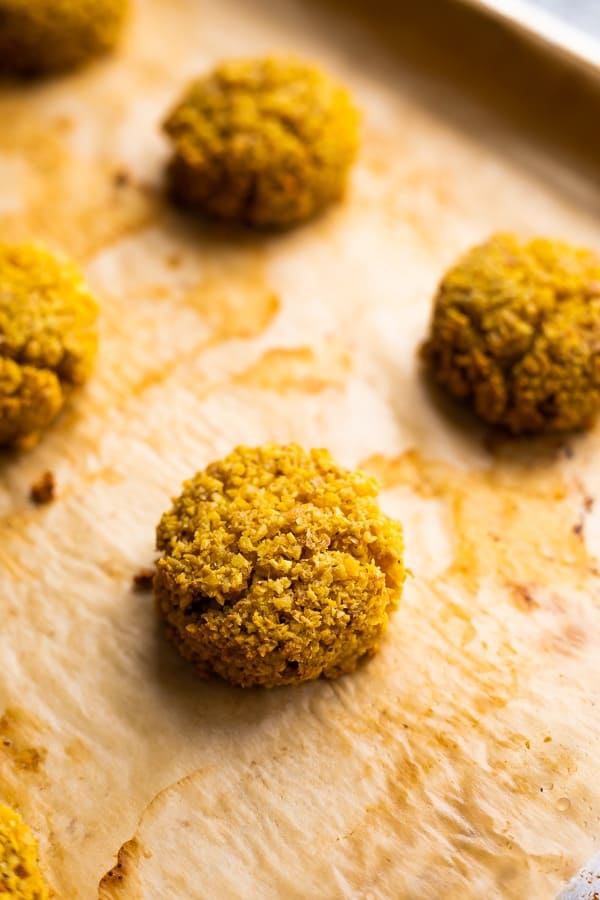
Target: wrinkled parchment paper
column 462, row 761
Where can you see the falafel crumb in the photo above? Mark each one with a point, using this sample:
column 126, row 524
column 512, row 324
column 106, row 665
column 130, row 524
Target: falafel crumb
column 278, row 567
column 142, row 580
column 44, row 489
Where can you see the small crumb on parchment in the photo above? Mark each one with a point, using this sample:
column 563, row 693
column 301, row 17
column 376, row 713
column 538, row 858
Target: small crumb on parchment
column 142, row 580
column 43, row 490
column 121, row 178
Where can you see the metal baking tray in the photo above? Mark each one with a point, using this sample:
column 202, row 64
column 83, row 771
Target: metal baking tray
column 461, row 762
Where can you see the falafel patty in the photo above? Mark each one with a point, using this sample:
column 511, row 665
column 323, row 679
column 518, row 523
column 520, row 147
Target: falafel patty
column 516, row 333
column 38, row 36
column 278, row 567
column 20, row 876
column 265, row 142
column 47, row 339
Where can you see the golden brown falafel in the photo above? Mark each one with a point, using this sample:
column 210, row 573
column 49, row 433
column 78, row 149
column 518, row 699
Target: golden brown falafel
column 516, row 333
column 39, row 36
column 20, row 876
column 47, row 339
column 278, row 567
column 265, row 142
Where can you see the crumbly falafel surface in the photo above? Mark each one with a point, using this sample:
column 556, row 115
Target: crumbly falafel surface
column 278, row 567
column 20, row 876
column 38, row 36
column 47, row 339
column 516, row 333
column 265, row 142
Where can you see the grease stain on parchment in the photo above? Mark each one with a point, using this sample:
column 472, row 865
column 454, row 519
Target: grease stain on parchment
column 513, row 522
column 233, row 301
column 81, row 227
column 16, row 732
column 22, row 754
column 234, row 297
column 285, row 369
column 75, row 205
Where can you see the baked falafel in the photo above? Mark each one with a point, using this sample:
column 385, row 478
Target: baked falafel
column 20, row 877
column 263, row 142
column 47, row 339
column 516, row 334
column 53, row 35
column 278, row 567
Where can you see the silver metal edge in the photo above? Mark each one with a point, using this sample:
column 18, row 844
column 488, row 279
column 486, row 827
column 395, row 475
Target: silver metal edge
column 545, row 27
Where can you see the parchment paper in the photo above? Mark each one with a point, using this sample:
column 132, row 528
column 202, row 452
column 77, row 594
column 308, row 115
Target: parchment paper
column 462, row 761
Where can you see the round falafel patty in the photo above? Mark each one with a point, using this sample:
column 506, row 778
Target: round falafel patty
column 47, row 339
column 516, row 333
column 278, row 567
column 20, row 876
column 39, row 36
column 264, row 142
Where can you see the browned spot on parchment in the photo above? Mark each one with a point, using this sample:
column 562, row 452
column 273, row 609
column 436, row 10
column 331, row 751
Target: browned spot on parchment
column 567, row 640
column 122, row 880
column 77, row 751
column 19, row 734
column 296, row 369
column 523, row 596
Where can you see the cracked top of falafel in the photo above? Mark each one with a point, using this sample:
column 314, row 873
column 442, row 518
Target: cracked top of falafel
column 516, row 332
column 267, row 142
column 50, row 35
column 278, row 567
column 20, row 876
column 47, row 339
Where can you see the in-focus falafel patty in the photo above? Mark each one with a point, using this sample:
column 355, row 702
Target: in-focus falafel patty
column 278, row 567
column 39, row 36
column 516, row 333
column 47, row 339
column 20, row 876
column 265, row 142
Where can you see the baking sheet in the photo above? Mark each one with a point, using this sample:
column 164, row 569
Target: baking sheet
column 554, row 24
column 462, row 760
